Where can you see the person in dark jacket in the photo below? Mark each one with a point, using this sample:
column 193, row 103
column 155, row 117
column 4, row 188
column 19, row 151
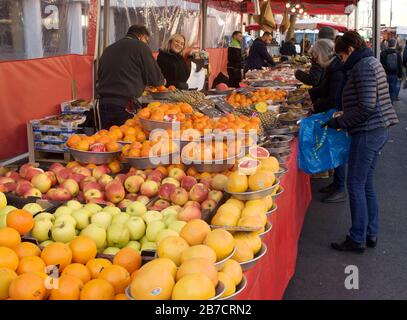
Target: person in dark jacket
column 258, row 54
column 315, row 74
column 125, row 69
column 235, row 60
column 326, row 97
column 172, row 63
column 288, row 48
column 367, row 115
column 393, row 65
column 405, row 64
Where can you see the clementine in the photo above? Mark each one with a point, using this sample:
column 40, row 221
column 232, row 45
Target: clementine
column 8, row 258
column 128, row 258
column 79, row 271
column 97, row 289
column 27, row 249
column 96, row 266
column 6, row 277
column 58, row 254
column 31, row 264
column 117, row 276
column 20, row 220
column 9, row 237
column 28, row 286
column 83, row 249
column 69, row 288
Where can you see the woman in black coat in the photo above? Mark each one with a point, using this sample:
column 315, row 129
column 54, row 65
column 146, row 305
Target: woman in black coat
column 172, row 63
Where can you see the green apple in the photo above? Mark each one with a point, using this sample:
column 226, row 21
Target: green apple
column 93, row 207
column 63, row 232
column 164, row 234
column 121, row 218
column 137, row 227
column 111, row 250
column 82, row 218
column 102, row 219
column 170, row 218
column 143, row 240
column 45, row 243
column 6, row 210
column 169, row 211
column 153, row 229
column 151, row 216
column 41, row 230
column 62, row 211
column 96, row 233
column 176, row 208
column 137, row 208
column 3, row 221
column 66, row 219
column 177, row 226
column 44, row 216
column 117, row 235
column 112, row 210
column 149, row 246
column 33, row 208
column 74, row 205
column 134, row 245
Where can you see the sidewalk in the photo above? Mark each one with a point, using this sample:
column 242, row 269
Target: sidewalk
column 382, row 271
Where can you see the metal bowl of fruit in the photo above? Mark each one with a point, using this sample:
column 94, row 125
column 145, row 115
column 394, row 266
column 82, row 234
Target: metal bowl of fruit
column 276, row 141
column 278, row 192
column 91, row 157
column 239, row 289
column 253, row 195
column 211, row 166
column 281, row 172
column 143, row 163
column 272, row 210
column 151, row 125
column 251, row 263
column 219, row 290
column 220, row 264
column 267, row 229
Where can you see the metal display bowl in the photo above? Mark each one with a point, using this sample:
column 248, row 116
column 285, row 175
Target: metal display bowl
column 284, row 141
column 282, row 131
column 278, row 150
column 211, row 166
column 94, row 157
column 287, row 122
column 253, row 195
column 251, row 263
column 219, row 93
column 166, row 95
column 272, row 210
column 143, row 163
column 267, row 229
column 235, row 228
column 280, row 190
column 151, row 125
column 220, row 264
column 283, row 170
column 239, row 289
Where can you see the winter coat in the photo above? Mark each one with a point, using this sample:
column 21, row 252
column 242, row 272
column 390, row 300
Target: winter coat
column 383, row 60
column 313, row 77
column 235, row 55
column 258, row 56
column 174, row 69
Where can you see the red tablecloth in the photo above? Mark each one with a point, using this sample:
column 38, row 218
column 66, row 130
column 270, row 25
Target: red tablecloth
column 270, row 276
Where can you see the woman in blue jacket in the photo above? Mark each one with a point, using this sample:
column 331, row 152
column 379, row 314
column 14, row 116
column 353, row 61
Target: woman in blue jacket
column 367, row 115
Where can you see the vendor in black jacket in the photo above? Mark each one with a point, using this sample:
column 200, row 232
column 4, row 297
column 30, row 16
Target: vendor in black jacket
column 125, row 69
column 258, row 54
column 235, row 60
column 172, row 63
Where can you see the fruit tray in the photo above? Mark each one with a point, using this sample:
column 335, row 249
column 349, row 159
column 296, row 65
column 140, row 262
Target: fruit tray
column 253, row 195
column 239, row 289
column 276, row 141
column 49, row 137
column 278, row 150
column 94, row 157
column 220, row 264
column 76, row 106
column 151, row 125
column 267, row 229
column 283, row 170
column 251, row 263
column 50, row 146
column 143, row 163
column 280, row 190
column 19, row 202
column 58, row 123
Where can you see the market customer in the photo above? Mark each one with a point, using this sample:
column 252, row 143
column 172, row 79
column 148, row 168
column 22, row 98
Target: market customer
column 325, row 97
column 288, row 48
column 258, row 54
column 172, row 62
column 235, row 60
column 367, row 115
column 392, row 64
column 125, row 69
column 315, row 74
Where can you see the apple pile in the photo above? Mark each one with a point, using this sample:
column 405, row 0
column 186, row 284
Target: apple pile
column 109, row 227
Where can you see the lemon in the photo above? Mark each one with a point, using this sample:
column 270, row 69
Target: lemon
column 261, row 107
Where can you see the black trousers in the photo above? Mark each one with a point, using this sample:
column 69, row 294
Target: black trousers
column 235, row 77
column 110, row 114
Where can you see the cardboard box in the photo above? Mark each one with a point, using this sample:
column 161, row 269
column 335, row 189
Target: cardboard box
column 76, row 106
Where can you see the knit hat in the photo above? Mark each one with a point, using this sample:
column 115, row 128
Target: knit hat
column 392, row 43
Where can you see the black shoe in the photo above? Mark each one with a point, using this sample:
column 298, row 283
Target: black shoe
column 349, row 245
column 371, row 241
column 335, row 197
column 328, row 189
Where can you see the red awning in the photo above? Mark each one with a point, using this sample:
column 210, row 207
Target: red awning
column 314, row 7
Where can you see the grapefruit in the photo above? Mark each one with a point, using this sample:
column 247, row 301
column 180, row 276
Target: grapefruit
column 195, row 231
column 69, row 288
column 252, row 222
column 6, row 277
column 261, row 180
column 230, row 286
column 199, row 251
column 251, row 238
column 237, row 203
column 243, row 252
column 270, row 164
column 234, row 270
column 157, row 265
column 193, row 287
column 28, row 286
column 97, row 289
column 152, row 285
column 198, row 265
column 259, row 204
column 237, row 182
column 172, row 247
column 248, row 166
column 257, row 152
column 221, row 241
column 225, row 219
column 269, row 202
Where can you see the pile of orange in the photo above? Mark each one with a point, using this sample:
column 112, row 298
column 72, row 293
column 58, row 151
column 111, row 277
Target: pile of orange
column 261, row 95
column 161, row 89
column 166, row 111
column 148, row 148
column 23, row 273
column 212, row 150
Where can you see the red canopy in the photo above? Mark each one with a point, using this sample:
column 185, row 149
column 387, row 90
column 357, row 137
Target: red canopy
column 314, row 7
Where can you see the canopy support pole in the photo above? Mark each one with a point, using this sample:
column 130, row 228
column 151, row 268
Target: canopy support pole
column 376, row 27
column 204, row 12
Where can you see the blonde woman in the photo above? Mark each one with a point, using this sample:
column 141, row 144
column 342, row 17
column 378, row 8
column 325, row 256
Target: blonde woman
column 172, row 63
column 327, row 95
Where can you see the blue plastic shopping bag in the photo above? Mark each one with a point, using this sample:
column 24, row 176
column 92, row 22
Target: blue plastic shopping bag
column 321, row 149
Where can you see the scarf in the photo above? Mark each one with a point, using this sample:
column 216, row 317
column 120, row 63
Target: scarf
column 235, row 44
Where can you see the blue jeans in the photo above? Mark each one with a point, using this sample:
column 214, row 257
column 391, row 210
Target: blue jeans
column 340, row 178
column 394, row 86
column 364, row 151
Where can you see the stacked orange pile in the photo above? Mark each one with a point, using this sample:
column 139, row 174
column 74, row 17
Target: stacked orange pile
column 166, row 111
column 262, row 95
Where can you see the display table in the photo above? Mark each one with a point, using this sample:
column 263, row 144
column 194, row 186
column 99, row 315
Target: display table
column 270, row 276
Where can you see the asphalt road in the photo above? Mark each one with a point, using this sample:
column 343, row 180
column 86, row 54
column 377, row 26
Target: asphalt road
column 320, row 271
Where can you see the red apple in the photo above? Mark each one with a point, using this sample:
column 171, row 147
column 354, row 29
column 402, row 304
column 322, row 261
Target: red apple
column 100, row 171
column 141, row 174
column 124, row 204
column 42, row 182
column 133, row 183
column 215, row 195
column 199, row 192
column 114, row 192
column 32, row 172
column 24, row 169
column 61, row 194
column 92, row 194
column 143, row 199
column 50, row 194
column 77, row 177
column 56, row 167
column 189, row 213
column 166, row 190
column 192, row 204
column 149, row 188
column 161, row 205
column 132, row 196
column 179, row 196
column 208, row 205
column 82, row 170
column 72, row 186
column 22, row 187
column 104, row 180
column 9, row 187
column 52, row 177
column 92, row 185
column 63, row 175
column 121, row 178
column 81, row 197
column 188, row 182
column 206, row 183
column 98, row 201
column 86, row 180
column 33, row 192
column 13, row 175
column 173, row 181
column 4, row 180
column 176, row 173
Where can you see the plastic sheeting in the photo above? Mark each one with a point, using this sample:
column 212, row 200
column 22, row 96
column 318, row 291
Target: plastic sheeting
column 42, row 28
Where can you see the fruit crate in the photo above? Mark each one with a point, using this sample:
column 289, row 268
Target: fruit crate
column 19, row 202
